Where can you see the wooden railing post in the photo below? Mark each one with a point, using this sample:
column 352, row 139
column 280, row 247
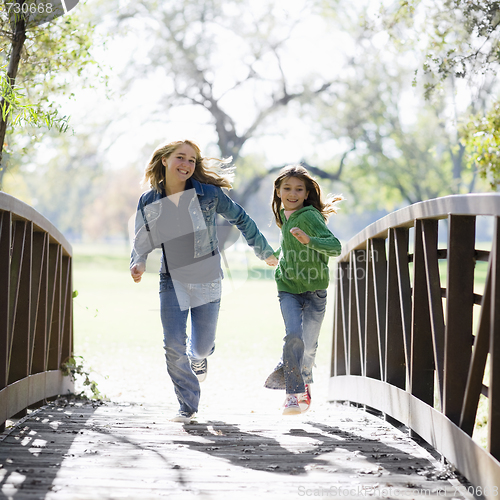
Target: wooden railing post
column 53, row 325
column 20, row 314
column 435, row 302
column 39, row 300
column 378, row 264
column 459, row 308
column 358, row 309
column 339, row 355
column 494, row 382
column 395, row 365
column 67, row 310
column 5, row 248
column 422, row 359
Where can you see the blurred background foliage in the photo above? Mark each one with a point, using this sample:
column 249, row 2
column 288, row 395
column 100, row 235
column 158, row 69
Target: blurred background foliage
column 390, row 103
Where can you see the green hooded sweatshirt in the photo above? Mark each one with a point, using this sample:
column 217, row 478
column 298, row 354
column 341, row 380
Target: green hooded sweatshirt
column 304, row 268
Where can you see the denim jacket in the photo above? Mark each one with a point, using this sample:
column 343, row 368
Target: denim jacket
column 208, row 200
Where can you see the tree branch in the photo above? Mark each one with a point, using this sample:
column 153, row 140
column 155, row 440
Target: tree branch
column 18, row 39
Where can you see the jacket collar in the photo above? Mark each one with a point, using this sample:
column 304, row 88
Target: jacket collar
column 198, row 187
column 299, row 211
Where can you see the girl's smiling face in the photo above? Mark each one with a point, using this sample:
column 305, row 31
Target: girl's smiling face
column 180, row 164
column 292, row 192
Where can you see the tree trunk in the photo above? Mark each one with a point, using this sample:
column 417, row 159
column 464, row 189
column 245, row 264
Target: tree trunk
column 18, row 39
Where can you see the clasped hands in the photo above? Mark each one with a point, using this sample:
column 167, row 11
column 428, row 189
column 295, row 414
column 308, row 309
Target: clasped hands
column 297, row 233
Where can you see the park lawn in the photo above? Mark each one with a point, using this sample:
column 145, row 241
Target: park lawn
column 118, row 331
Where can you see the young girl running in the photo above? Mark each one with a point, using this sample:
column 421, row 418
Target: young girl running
column 302, row 277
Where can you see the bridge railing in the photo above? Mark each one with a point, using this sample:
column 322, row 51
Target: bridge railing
column 36, row 323
column 412, row 336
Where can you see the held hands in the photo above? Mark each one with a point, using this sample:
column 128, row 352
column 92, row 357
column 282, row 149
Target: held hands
column 300, row 235
column 272, row 261
column 137, row 271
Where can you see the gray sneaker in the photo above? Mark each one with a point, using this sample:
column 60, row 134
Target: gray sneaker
column 184, row 417
column 200, row 369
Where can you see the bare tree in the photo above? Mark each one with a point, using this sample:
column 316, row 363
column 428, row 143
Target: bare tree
column 214, row 53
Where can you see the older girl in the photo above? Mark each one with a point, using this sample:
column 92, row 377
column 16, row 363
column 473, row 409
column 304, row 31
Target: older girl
column 178, row 215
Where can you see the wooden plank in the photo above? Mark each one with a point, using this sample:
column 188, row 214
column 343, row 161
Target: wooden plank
column 54, row 307
column 430, row 247
column 23, row 393
column 131, row 451
column 5, row 246
column 371, row 343
column 342, row 342
column 395, row 372
column 422, row 359
column 478, row 362
column 355, row 354
column 459, row 311
column 20, row 313
column 379, row 267
column 358, row 265
column 401, row 242
column 494, row 382
column 338, row 321
column 339, row 357
column 66, row 310
column 39, row 303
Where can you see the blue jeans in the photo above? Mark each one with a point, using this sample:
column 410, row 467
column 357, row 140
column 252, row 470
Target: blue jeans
column 178, row 351
column 303, row 315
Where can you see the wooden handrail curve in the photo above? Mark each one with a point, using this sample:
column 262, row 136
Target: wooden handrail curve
column 413, row 339
column 36, row 309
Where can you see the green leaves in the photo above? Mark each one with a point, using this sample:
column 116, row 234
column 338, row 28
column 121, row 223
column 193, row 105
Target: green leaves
column 34, row 70
column 481, row 136
column 461, row 37
column 21, row 113
column 456, row 40
column 75, row 367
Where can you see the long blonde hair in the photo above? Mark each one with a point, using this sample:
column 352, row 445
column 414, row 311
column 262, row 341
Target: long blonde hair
column 207, row 170
column 326, row 207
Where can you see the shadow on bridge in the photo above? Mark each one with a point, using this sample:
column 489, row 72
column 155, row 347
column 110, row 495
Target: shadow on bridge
column 93, row 451
column 257, row 451
column 34, row 448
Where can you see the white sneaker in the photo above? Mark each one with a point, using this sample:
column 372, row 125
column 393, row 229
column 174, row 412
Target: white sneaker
column 291, row 405
column 184, row 417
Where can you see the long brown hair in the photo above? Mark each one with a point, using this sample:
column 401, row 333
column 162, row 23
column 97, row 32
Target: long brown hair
column 207, row 170
column 326, row 206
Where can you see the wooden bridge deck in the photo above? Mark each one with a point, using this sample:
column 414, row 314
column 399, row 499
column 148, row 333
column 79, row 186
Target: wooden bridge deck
column 131, row 451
